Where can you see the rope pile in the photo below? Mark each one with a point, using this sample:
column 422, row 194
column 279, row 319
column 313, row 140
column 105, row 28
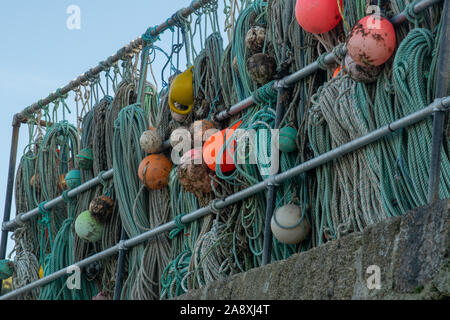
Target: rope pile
column 326, row 109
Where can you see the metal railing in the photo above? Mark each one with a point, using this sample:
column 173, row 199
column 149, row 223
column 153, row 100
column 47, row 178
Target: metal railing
column 438, row 107
column 442, row 104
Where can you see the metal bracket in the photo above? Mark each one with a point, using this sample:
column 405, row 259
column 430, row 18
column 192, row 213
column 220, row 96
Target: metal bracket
column 213, row 206
column 280, row 84
column 122, row 245
column 4, row 229
column 17, row 120
column 272, row 183
column 444, row 104
column 18, row 220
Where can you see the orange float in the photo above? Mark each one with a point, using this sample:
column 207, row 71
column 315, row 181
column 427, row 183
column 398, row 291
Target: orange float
column 213, row 146
column 318, row 16
column 154, row 171
column 202, row 130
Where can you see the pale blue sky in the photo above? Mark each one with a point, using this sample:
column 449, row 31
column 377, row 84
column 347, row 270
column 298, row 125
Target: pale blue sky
column 39, row 54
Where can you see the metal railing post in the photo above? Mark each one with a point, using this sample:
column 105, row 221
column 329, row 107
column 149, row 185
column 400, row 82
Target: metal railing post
column 271, row 187
column 10, row 186
column 120, row 265
column 439, row 116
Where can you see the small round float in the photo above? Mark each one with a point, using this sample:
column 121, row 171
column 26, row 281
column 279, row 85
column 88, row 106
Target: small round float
column 372, row 41
column 261, row 67
column 87, row 228
column 193, row 174
column 255, row 39
column 288, row 139
column 151, row 141
column 73, row 178
column 213, row 146
column 318, row 16
column 154, row 171
column 85, row 159
column 101, row 208
column 288, row 224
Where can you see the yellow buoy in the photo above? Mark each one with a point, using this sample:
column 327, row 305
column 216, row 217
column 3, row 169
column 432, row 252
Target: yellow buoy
column 41, row 272
column 182, row 92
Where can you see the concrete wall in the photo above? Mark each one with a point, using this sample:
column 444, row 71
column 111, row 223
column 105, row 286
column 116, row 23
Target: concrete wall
column 411, row 251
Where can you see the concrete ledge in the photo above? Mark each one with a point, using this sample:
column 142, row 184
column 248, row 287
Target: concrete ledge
column 412, row 253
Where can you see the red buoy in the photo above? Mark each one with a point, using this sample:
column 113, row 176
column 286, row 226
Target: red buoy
column 213, row 146
column 318, row 16
column 371, row 41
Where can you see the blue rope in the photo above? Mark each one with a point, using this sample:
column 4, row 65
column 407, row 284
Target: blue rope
column 148, row 37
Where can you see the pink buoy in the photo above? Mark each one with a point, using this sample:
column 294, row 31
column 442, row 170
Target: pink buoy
column 371, row 41
column 318, row 16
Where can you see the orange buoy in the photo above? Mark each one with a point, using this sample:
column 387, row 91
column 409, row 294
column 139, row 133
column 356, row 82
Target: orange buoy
column 154, row 171
column 202, row 130
column 371, row 41
column 213, row 146
column 318, row 16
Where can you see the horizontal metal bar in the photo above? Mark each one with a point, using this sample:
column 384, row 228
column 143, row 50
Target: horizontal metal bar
column 419, row 7
column 60, row 273
column 23, row 217
column 127, row 49
column 235, row 109
column 439, row 104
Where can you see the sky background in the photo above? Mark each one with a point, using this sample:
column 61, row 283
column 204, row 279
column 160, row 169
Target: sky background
column 39, row 54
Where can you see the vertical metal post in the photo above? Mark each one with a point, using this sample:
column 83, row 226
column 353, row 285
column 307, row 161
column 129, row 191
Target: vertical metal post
column 10, row 186
column 439, row 116
column 143, row 75
column 271, row 188
column 123, row 237
column 120, row 266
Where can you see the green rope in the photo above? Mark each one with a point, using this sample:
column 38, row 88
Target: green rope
column 265, row 95
column 180, row 227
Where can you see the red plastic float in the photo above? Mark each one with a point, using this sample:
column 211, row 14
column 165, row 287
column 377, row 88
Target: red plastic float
column 371, row 41
column 213, row 145
column 318, row 16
